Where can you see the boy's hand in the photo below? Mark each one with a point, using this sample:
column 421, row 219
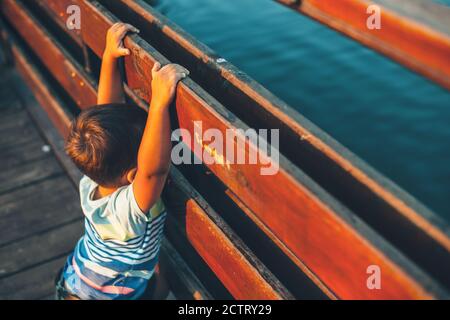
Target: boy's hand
column 114, row 40
column 164, row 83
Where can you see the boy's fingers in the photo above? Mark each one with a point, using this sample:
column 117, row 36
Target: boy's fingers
column 181, row 70
column 132, row 28
column 123, row 29
column 156, row 68
column 124, row 51
column 115, row 26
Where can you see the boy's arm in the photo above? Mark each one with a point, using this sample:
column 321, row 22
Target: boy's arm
column 110, row 88
column 154, row 151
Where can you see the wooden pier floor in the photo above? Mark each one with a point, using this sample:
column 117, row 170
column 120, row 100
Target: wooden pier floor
column 40, row 218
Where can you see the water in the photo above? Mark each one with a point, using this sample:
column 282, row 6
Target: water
column 392, row 118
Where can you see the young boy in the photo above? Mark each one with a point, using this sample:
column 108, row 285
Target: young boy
column 125, row 156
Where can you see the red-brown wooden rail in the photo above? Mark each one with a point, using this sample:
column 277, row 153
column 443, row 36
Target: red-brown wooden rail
column 65, row 70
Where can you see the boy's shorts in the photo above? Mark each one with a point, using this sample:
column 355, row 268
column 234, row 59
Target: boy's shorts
column 63, row 294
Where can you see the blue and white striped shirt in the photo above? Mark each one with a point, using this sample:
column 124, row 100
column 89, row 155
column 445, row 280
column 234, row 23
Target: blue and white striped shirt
column 119, row 251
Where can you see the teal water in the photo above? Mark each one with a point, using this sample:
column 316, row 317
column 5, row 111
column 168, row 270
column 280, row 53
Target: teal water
column 395, row 120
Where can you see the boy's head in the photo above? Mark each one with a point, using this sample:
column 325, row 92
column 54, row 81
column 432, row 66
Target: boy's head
column 104, row 142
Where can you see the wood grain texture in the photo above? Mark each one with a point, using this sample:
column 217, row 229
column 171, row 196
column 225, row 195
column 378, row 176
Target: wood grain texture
column 32, row 284
column 59, row 10
column 39, row 248
column 241, row 278
column 241, row 272
column 21, row 217
column 66, row 70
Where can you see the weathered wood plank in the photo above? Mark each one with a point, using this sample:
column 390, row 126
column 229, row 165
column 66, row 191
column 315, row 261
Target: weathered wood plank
column 24, row 150
column 31, row 284
column 21, row 218
column 16, row 128
column 245, row 277
column 422, row 44
column 242, row 279
column 182, row 280
column 350, row 180
column 39, row 248
column 28, row 173
column 65, row 69
column 60, row 13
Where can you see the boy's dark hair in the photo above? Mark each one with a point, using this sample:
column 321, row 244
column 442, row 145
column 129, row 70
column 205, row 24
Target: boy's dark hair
column 104, row 141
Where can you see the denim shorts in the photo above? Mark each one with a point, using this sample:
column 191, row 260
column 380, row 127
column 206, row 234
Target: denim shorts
column 63, row 294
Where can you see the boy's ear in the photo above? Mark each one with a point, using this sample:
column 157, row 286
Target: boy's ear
column 131, row 174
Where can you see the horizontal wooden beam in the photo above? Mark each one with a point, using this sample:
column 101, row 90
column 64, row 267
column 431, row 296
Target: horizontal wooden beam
column 59, row 10
column 307, row 220
column 67, row 71
column 425, row 237
column 420, row 42
column 240, row 277
column 241, row 272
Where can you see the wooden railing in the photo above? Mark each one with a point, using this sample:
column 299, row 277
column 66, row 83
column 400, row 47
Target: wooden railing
column 310, row 231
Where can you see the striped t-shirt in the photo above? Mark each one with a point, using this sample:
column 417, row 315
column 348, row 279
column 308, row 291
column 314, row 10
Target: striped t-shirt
column 118, row 252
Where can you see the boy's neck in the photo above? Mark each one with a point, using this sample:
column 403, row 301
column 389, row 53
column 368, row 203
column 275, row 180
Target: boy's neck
column 102, row 192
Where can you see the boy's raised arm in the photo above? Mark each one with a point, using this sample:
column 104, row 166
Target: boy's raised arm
column 110, row 88
column 154, row 151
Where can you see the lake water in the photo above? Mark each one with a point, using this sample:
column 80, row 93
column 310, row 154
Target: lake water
column 396, row 120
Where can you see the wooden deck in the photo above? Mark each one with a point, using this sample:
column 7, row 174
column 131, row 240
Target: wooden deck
column 40, row 218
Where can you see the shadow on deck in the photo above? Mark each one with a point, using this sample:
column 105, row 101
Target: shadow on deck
column 40, row 219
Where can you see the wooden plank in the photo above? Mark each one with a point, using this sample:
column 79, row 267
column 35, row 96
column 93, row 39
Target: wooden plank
column 31, row 284
column 16, row 128
column 39, row 248
column 24, row 150
column 21, row 218
column 58, row 9
column 182, row 280
column 421, row 43
column 241, row 278
column 241, row 272
column 66, row 70
column 301, row 204
column 44, row 94
column 353, row 182
column 186, row 279
column 28, row 173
